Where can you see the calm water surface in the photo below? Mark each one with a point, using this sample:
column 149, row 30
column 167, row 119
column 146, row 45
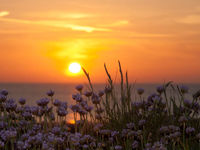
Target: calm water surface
column 63, row 92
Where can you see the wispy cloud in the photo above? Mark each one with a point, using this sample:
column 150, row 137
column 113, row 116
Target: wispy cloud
column 58, row 24
column 69, row 15
column 61, row 15
column 4, row 13
column 116, row 23
column 119, row 23
column 87, row 28
column 148, row 35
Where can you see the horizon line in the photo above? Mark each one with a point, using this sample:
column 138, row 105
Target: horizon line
column 161, row 83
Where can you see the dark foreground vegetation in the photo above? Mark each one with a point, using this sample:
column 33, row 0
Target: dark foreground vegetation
column 110, row 119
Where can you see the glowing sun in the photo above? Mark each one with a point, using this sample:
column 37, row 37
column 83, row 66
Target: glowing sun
column 74, row 68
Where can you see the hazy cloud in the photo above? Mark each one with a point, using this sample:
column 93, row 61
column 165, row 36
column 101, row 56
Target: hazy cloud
column 4, row 13
column 190, row 19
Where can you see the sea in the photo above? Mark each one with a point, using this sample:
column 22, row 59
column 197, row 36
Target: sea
column 33, row 92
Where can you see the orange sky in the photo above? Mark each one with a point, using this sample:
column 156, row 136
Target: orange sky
column 155, row 40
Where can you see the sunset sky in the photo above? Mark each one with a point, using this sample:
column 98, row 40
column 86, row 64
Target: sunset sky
column 155, row 40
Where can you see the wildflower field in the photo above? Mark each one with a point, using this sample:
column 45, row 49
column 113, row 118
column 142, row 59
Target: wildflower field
column 110, row 119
